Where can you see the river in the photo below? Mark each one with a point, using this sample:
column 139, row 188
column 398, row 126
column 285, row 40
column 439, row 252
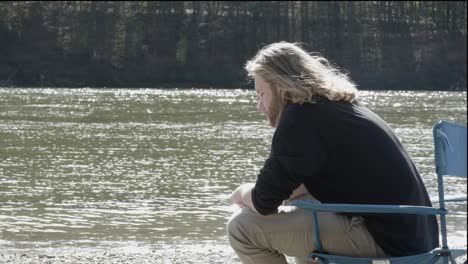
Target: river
column 87, row 170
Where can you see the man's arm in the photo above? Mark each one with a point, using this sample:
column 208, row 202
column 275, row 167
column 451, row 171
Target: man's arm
column 301, row 190
column 242, row 196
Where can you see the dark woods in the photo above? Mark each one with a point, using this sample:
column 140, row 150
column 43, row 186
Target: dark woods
column 406, row 45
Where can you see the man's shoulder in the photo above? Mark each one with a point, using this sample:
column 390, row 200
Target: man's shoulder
column 295, row 111
column 316, row 104
column 299, row 115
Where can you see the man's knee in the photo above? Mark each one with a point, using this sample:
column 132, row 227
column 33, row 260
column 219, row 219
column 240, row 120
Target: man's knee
column 238, row 223
column 234, row 223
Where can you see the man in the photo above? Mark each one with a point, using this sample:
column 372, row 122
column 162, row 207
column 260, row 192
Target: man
column 326, row 146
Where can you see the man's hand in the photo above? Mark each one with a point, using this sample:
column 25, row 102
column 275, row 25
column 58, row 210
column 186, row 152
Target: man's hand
column 301, row 190
column 242, row 196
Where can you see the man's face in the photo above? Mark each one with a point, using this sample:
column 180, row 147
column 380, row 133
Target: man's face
column 266, row 99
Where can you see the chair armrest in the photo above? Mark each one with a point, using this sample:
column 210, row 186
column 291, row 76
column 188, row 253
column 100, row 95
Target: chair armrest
column 369, row 208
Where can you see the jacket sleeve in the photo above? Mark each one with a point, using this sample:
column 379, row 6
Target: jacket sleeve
column 296, row 153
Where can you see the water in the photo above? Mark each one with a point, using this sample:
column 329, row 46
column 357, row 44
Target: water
column 88, row 169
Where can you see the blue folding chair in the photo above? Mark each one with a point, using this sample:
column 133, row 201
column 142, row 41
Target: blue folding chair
column 450, row 160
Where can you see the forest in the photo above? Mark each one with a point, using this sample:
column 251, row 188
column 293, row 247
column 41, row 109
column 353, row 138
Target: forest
column 382, row 45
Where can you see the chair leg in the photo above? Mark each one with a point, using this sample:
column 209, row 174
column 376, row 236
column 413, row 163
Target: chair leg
column 452, row 259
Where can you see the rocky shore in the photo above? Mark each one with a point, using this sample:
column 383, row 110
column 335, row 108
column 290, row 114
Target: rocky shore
column 178, row 254
column 222, row 256
column 203, row 252
column 127, row 258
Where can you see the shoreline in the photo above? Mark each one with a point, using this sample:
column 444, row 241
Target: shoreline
column 217, row 253
column 221, row 254
column 176, row 257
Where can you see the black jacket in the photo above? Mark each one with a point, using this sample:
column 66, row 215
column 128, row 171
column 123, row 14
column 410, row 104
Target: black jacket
column 344, row 153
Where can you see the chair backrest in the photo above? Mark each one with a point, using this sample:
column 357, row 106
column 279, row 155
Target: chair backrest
column 450, row 149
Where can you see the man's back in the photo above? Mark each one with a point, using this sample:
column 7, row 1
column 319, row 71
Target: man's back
column 363, row 162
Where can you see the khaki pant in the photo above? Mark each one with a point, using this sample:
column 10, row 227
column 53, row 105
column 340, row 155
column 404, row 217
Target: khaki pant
column 266, row 239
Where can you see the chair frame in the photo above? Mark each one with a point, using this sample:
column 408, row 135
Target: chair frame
column 444, row 253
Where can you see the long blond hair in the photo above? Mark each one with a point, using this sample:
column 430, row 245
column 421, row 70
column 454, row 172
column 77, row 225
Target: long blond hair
column 298, row 77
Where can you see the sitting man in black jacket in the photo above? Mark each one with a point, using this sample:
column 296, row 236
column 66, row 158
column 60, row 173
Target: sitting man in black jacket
column 329, row 147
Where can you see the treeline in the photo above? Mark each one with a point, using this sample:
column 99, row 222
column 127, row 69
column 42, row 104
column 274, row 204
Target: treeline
column 407, row 45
